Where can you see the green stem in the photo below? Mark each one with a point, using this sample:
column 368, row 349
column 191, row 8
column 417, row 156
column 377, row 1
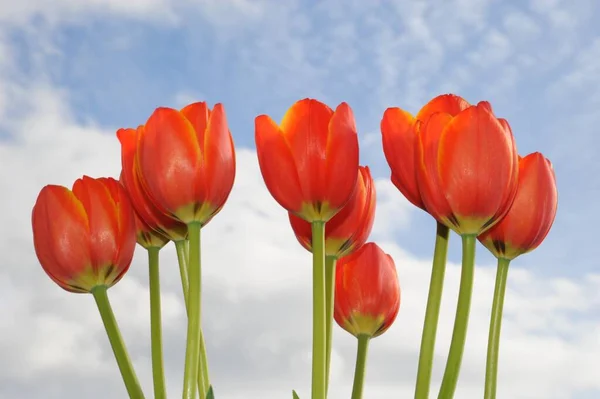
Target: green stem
column 158, row 372
column 319, row 390
column 182, row 256
column 491, row 369
column 461, row 320
column 116, row 341
column 361, row 366
column 432, row 314
column 192, row 350
column 330, row 262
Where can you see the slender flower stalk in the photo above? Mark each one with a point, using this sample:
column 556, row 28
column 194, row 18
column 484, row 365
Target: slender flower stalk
column 361, row 366
column 491, row 367
column 182, row 248
column 432, row 313
column 116, row 341
column 158, row 372
column 461, row 320
column 330, row 262
column 319, row 390
column 192, row 350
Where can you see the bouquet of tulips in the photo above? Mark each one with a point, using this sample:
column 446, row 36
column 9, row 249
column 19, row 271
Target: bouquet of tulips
column 456, row 161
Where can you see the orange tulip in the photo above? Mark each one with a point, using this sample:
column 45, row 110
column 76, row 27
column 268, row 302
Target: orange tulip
column 400, row 138
column 532, row 213
column 186, row 161
column 349, row 229
column 310, row 161
column 85, row 237
column 149, row 218
column 367, row 292
column 467, row 168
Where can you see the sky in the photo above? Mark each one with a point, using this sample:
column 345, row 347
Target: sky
column 73, row 72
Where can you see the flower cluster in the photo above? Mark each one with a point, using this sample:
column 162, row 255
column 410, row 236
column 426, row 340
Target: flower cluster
column 456, row 161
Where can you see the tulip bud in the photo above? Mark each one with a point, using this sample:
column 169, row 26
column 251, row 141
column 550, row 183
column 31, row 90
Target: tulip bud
column 85, row 237
column 367, row 292
column 310, row 161
column 349, row 229
column 532, row 213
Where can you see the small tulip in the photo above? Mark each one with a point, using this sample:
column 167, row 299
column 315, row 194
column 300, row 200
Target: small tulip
column 186, row 161
column 310, row 161
column 349, row 229
column 532, row 213
column 400, row 140
column 467, row 168
column 85, row 237
column 149, row 218
column 367, row 292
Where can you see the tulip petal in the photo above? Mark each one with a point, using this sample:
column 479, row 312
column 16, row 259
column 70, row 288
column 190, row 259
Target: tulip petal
column 399, row 142
column 169, row 160
column 101, row 209
column 341, row 157
column 198, row 115
column 219, row 158
column 305, row 126
column 428, row 141
column 446, row 103
column 277, row 164
column 61, row 234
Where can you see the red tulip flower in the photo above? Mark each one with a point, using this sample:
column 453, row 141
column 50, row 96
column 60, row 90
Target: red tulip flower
column 310, row 161
column 186, row 161
column 467, row 168
column 400, row 138
column 149, row 217
column 367, row 292
column 349, row 229
column 85, row 237
column 532, row 213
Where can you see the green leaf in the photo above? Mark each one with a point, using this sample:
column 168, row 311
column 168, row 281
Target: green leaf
column 211, row 393
column 295, row 395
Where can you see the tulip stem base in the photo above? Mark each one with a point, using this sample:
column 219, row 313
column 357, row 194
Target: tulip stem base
column 182, row 257
column 432, row 313
column 116, row 341
column 330, row 262
column 361, row 366
column 192, row 350
column 493, row 350
column 319, row 390
column 461, row 320
column 158, row 373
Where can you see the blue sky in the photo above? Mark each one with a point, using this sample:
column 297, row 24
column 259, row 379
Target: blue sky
column 71, row 73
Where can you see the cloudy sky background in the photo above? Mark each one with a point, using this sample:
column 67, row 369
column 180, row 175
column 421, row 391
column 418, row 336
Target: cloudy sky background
column 72, row 72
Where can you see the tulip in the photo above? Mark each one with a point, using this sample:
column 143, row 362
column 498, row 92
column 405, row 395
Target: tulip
column 347, row 231
column 310, row 166
column 523, row 229
column 151, row 217
column 467, row 168
column 84, row 239
column 399, row 134
column 367, row 300
column 467, row 171
column 185, row 161
column 532, row 213
column 310, row 161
